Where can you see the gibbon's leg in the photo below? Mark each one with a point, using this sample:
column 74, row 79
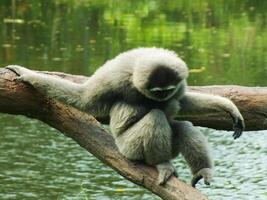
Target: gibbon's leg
column 195, row 149
column 203, row 103
column 58, row 88
column 145, row 135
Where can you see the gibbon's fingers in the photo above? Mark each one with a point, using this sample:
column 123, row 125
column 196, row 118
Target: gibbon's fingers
column 239, row 127
column 14, row 69
column 205, row 173
column 195, row 180
column 23, row 74
column 17, row 69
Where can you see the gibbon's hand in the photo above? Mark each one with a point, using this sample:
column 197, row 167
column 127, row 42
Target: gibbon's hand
column 239, row 125
column 205, row 173
column 23, row 73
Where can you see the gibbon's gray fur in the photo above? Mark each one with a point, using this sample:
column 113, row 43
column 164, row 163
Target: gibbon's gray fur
column 142, row 90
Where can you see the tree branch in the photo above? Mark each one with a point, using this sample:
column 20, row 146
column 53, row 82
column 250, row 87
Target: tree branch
column 21, row 99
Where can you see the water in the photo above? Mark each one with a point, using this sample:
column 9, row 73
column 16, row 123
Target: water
column 223, row 42
column 38, row 162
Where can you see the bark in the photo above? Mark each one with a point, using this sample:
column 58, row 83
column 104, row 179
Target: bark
column 22, row 99
column 19, row 98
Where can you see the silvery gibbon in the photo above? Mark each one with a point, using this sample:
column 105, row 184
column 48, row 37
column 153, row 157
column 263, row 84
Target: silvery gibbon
column 142, row 90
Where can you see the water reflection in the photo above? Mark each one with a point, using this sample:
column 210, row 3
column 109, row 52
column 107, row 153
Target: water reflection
column 37, row 162
column 224, row 42
column 226, row 38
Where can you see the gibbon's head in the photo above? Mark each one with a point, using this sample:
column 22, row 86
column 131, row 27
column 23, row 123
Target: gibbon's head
column 158, row 73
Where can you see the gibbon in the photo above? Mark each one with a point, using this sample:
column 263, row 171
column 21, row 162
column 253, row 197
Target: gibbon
column 142, row 90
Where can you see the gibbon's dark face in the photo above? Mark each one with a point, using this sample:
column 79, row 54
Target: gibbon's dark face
column 163, row 83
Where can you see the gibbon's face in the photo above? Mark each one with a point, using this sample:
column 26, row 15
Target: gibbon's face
column 158, row 73
column 163, row 83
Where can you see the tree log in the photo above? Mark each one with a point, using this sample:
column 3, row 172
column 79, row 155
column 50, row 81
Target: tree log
column 19, row 98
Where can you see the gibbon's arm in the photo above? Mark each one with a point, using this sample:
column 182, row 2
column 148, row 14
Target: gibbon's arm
column 58, row 88
column 201, row 103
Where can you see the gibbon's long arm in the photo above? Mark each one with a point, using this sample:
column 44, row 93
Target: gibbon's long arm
column 194, row 102
column 58, row 88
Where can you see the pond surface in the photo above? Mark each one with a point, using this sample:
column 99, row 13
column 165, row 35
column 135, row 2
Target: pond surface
column 223, row 42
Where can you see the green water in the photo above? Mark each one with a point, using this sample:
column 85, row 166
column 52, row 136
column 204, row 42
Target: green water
column 223, row 42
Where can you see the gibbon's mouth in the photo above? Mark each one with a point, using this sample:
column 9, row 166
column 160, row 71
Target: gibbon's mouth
column 162, row 93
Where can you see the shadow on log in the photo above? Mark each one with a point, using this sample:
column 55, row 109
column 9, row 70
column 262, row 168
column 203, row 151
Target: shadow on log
column 21, row 99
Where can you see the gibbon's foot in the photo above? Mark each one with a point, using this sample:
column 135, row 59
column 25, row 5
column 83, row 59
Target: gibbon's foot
column 239, row 126
column 166, row 170
column 205, row 173
column 23, row 73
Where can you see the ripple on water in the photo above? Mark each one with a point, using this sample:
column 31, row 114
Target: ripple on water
column 37, row 162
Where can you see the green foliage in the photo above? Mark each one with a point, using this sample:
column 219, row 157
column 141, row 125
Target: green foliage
column 227, row 38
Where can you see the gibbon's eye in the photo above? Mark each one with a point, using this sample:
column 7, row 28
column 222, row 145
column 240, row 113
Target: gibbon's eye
column 163, row 92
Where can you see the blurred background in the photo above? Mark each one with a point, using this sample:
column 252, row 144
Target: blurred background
column 223, row 42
